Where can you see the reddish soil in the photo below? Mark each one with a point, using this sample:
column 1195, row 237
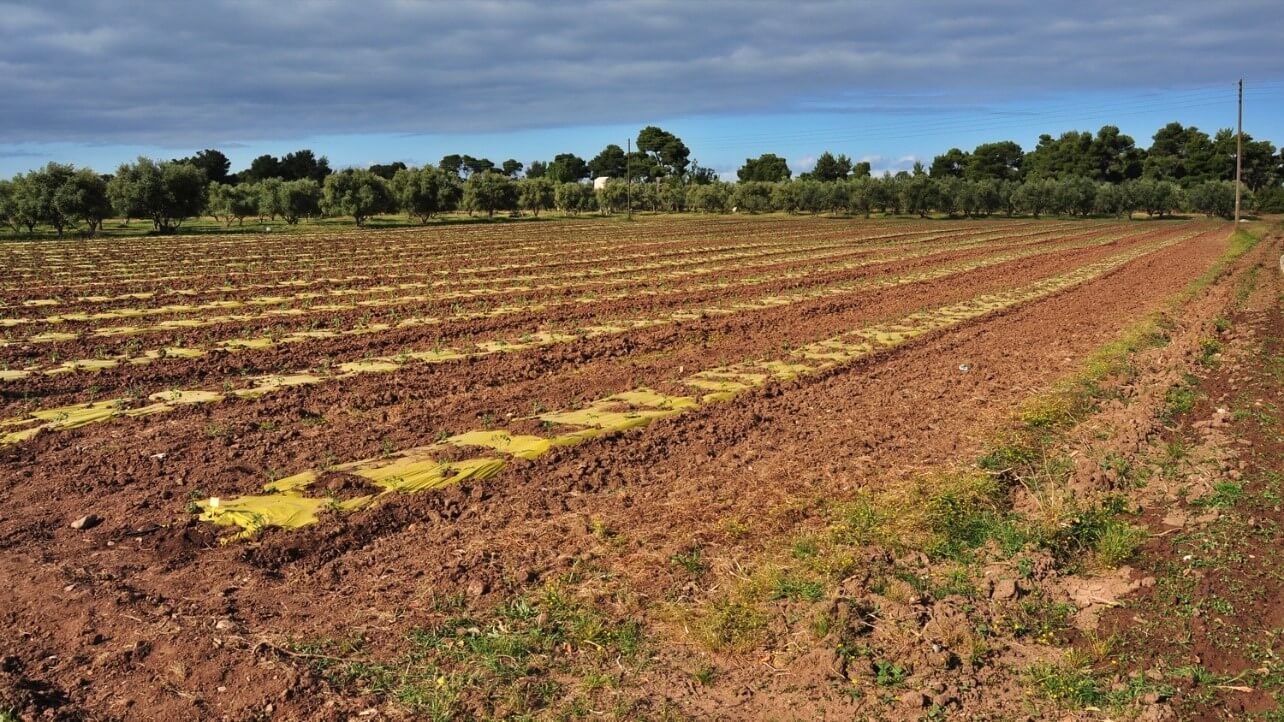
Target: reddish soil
column 145, row 615
column 1210, row 626
column 18, row 354
column 214, row 369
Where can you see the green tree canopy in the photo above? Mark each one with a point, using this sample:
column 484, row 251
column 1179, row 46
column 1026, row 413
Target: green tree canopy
column 83, row 198
column 8, row 208
column 35, row 194
column 167, row 193
column 418, row 191
column 452, row 164
column 950, row 164
column 573, row 198
column 997, row 161
column 356, row 193
column 536, row 194
column 667, row 152
column 214, row 164
column 831, row 168
column 488, row 192
column 473, row 166
column 609, row 163
column 768, row 168
column 304, row 164
column 232, row 202
column 300, row 199
column 511, row 167
column 568, row 167
column 1185, row 155
column 387, row 170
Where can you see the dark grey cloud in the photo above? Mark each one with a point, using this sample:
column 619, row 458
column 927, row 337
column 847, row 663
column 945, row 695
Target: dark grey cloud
column 187, row 72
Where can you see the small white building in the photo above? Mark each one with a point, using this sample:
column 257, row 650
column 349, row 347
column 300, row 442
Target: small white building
column 600, row 182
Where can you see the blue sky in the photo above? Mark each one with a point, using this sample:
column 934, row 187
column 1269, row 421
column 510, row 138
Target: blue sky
column 96, row 83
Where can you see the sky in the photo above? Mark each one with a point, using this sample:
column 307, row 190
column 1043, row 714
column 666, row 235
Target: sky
column 97, row 82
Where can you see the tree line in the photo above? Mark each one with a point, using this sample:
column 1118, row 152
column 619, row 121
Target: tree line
column 1077, row 173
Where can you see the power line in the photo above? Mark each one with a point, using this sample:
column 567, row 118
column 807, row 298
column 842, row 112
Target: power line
column 912, row 129
column 1062, row 110
column 946, row 123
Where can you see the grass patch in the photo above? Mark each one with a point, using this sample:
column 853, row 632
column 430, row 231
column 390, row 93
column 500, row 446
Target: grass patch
column 1209, row 349
column 512, row 663
column 691, row 560
column 1179, row 400
column 1118, row 542
column 1225, row 494
column 1069, row 686
column 732, row 624
column 796, row 588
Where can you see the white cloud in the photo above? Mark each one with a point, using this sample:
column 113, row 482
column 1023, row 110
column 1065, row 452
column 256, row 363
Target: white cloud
column 187, row 71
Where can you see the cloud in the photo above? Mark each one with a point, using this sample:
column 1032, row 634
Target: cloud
column 187, row 72
column 879, row 164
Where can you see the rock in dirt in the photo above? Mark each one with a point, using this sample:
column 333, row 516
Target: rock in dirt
column 1003, row 590
column 88, row 521
column 915, row 699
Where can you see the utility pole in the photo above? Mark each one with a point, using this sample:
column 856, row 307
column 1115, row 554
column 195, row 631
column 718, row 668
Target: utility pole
column 1239, row 150
column 628, row 179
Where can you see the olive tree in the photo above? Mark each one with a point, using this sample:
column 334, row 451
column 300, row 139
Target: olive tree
column 784, row 197
column 752, row 197
column 613, row 197
column 300, row 199
column 83, row 198
column 573, row 198
column 8, row 209
column 489, row 191
column 34, row 195
column 166, row 193
column 1075, row 195
column 1111, row 199
column 356, row 193
column 708, row 198
column 1036, row 196
column 535, row 194
column 418, row 191
column 1214, row 198
column 232, row 202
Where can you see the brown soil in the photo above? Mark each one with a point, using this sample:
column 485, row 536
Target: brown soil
column 1210, row 625
column 147, row 616
column 19, row 354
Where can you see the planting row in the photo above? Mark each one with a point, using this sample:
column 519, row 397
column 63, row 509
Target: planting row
column 288, row 503
column 685, row 294
column 544, row 244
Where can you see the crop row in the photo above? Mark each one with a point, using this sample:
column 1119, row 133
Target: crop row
column 705, row 260
column 75, row 416
column 286, row 502
column 896, row 253
column 386, row 271
column 711, row 257
column 552, row 243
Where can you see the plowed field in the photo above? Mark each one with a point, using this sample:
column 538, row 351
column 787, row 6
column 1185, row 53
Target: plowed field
column 296, row 452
